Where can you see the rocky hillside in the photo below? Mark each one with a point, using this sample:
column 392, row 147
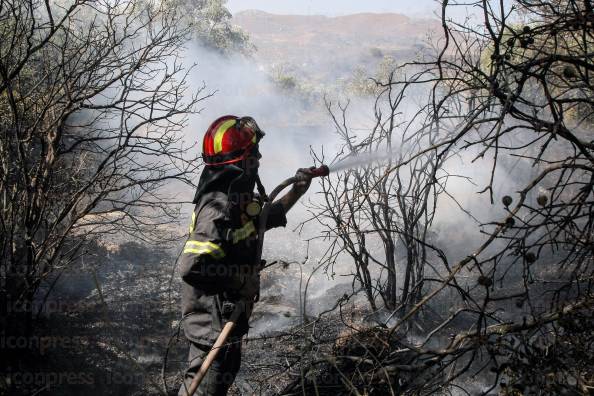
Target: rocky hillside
column 322, row 47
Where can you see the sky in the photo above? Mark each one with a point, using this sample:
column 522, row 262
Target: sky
column 336, row 7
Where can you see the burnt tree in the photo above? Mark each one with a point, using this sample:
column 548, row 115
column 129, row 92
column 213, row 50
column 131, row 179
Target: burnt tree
column 510, row 90
column 93, row 99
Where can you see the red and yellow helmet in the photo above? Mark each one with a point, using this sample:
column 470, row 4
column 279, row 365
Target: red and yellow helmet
column 230, row 139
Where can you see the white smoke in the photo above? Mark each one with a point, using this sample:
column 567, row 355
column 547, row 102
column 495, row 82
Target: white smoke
column 293, row 125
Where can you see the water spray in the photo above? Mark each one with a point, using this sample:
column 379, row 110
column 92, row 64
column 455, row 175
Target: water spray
column 358, row 160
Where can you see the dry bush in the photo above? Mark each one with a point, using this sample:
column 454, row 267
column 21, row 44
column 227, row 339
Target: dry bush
column 511, row 88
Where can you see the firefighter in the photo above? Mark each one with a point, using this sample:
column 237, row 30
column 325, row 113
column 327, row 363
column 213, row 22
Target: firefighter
column 217, row 263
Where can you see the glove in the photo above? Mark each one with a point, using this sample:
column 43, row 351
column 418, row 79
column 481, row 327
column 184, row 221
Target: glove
column 304, row 177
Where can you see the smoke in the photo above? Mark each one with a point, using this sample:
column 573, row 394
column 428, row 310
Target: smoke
column 243, row 88
column 294, row 125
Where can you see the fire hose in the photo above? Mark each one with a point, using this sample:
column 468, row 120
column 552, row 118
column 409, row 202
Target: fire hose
column 230, row 325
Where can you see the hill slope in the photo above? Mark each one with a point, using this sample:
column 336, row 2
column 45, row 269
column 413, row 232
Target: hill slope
column 321, row 47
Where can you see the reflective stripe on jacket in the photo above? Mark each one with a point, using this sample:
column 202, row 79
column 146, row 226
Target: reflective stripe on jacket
column 215, row 239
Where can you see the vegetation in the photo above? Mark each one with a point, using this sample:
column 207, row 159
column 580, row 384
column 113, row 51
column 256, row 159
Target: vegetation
column 93, row 98
column 92, row 101
column 514, row 90
column 210, row 23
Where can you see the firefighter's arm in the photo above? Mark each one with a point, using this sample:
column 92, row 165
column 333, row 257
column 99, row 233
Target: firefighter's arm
column 206, row 245
column 299, row 188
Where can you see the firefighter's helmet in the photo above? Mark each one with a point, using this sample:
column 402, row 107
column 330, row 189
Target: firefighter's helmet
column 230, row 139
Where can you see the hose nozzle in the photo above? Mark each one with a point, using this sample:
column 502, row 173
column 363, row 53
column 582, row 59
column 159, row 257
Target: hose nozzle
column 320, row 171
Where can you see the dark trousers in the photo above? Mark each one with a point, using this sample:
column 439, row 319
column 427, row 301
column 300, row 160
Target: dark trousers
column 221, row 374
column 203, row 320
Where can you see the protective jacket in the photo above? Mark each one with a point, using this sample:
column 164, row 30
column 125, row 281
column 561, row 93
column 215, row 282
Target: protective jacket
column 220, row 251
column 221, row 247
